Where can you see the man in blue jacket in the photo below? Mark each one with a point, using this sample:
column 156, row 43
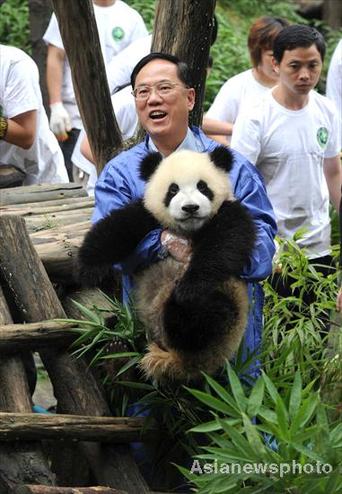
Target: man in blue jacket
column 164, row 98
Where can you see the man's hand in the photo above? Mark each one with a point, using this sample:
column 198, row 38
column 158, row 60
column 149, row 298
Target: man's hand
column 60, row 122
column 178, row 247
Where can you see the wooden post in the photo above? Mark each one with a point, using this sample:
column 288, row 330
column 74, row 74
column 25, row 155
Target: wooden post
column 38, row 193
column 19, row 462
column 75, row 387
column 29, row 426
column 32, row 336
column 183, row 28
column 80, row 37
column 40, row 13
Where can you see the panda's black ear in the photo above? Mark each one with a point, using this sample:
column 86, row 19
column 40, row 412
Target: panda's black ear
column 149, row 164
column 222, row 157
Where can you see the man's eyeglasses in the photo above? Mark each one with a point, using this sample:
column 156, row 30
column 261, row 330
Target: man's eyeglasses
column 163, row 89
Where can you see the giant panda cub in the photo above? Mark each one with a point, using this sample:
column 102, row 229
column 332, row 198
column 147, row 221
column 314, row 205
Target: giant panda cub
column 195, row 314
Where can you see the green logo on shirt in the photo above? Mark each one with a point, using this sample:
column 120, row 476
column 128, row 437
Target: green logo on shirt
column 322, row 136
column 118, row 33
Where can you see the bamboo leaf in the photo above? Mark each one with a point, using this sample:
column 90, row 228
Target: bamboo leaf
column 283, row 418
column 296, row 395
column 210, row 401
column 223, row 394
column 237, row 390
column 253, row 436
column 256, row 397
column 304, row 413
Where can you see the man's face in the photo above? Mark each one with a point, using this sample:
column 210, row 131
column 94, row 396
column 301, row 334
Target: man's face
column 165, row 118
column 299, row 70
column 266, row 65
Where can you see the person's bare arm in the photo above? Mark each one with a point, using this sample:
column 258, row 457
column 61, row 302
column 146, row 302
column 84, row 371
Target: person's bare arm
column 333, row 174
column 21, row 129
column 217, row 127
column 54, row 73
column 85, row 149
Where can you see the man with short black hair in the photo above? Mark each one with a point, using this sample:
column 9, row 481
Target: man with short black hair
column 292, row 138
column 164, row 98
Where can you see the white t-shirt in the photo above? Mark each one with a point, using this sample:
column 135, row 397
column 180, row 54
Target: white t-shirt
column 288, row 148
column 20, row 93
column 334, row 80
column 120, row 68
column 127, row 119
column 118, row 25
column 240, row 91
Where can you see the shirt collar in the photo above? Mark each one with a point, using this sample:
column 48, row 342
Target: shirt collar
column 191, row 142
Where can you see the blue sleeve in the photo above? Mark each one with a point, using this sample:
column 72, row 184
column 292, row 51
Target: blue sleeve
column 116, row 187
column 251, row 192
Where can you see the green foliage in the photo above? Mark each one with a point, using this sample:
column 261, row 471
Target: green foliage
column 295, row 333
column 146, row 10
column 297, row 431
column 14, row 24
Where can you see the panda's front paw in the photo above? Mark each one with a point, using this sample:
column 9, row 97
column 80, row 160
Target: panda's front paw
column 91, row 276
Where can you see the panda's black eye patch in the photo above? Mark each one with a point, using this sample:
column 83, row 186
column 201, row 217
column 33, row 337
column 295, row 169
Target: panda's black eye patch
column 173, row 189
column 203, row 188
column 171, row 192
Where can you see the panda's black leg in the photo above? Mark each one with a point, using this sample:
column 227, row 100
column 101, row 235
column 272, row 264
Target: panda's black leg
column 193, row 326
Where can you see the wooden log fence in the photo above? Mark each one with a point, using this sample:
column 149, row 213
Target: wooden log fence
column 33, row 298
column 43, row 489
column 60, row 427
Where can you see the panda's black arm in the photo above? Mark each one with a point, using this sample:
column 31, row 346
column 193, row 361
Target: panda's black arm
column 220, row 249
column 112, row 239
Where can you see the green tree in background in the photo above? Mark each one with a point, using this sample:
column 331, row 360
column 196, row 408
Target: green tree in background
column 14, row 24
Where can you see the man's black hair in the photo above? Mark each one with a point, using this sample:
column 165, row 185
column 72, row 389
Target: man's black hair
column 297, row 36
column 183, row 71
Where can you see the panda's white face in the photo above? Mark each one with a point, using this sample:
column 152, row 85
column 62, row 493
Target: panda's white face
column 189, row 204
column 186, row 190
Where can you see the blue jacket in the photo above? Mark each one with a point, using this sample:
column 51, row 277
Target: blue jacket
column 119, row 184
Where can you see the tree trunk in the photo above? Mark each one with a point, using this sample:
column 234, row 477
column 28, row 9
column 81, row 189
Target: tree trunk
column 78, row 28
column 184, row 28
column 75, row 387
column 40, row 13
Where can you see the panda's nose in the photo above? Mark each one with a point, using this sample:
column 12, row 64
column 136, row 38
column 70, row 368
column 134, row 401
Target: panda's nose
column 190, row 208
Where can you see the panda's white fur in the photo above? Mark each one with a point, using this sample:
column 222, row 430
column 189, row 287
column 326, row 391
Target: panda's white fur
column 196, row 313
column 186, row 169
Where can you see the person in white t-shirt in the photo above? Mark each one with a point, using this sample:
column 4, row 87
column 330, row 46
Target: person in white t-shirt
column 118, row 25
column 120, row 68
column 292, row 137
column 334, row 81
column 247, row 87
column 26, row 142
column 84, row 170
